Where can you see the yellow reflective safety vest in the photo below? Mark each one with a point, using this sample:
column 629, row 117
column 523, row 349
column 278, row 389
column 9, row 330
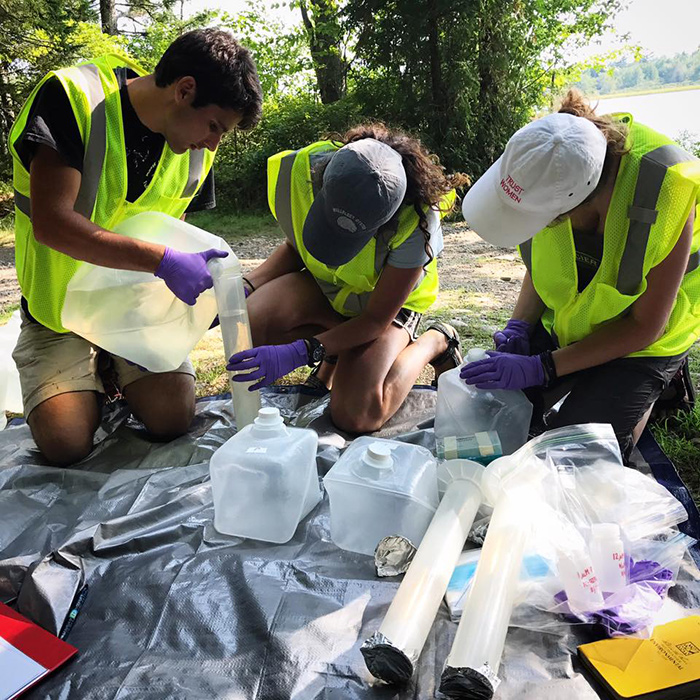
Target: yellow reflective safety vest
column 348, row 287
column 657, row 187
column 93, row 91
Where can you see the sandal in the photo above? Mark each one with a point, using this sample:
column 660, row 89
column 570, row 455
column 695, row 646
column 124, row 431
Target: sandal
column 453, row 344
column 313, row 382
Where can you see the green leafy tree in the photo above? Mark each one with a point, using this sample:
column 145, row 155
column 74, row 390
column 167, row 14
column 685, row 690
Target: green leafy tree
column 465, row 74
column 37, row 36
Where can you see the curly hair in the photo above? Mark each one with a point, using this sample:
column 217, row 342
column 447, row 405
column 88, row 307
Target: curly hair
column 615, row 132
column 427, row 182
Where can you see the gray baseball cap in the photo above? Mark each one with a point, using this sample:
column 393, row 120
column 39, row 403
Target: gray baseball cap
column 364, row 185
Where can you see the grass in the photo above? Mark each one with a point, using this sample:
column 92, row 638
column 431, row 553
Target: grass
column 234, row 227
column 679, row 436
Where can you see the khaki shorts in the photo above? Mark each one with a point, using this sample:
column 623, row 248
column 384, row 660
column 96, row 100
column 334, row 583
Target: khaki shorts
column 51, row 364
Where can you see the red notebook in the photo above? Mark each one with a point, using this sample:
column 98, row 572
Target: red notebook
column 27, row 653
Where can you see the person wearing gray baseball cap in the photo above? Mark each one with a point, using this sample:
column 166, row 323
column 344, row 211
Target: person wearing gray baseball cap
column 361, row 216
column 607, row 215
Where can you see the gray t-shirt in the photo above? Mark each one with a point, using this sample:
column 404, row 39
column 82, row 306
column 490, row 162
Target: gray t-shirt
column 411, row 253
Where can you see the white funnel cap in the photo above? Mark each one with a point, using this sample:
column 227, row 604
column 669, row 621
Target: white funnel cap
column 378, row 455
column 268, row 418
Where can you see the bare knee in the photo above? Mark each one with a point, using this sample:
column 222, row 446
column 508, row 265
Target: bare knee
column 165, row 423
column 63, row 427
column 63, row 452
column 163, row 403
column 62, row 446
column 358, row 416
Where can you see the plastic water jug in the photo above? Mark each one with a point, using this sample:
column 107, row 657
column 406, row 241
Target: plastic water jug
column 264, row 479
column 10, row 390
column 235, row 331
column 133, row 314
column 380, row 488
column 464, row 410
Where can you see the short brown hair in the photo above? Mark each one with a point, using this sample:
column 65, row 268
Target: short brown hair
column 223, row 69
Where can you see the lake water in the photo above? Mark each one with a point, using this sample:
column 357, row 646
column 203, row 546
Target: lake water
column 667, row 112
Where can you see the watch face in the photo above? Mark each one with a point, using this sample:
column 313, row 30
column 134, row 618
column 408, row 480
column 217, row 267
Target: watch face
column 318, row 353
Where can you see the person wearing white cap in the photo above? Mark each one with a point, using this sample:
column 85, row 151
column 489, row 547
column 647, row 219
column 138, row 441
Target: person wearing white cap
column 358, row 269
column 606, row 215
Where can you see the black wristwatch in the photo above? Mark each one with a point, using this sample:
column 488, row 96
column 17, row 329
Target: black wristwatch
column 316, row 351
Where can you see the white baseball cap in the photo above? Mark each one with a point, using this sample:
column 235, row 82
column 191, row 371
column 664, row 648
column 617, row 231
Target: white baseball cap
column 549, row 167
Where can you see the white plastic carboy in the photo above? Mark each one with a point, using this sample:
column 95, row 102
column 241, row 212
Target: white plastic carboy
column 264, row 479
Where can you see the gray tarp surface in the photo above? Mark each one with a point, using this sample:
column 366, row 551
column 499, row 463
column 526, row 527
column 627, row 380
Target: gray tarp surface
column 176, row 610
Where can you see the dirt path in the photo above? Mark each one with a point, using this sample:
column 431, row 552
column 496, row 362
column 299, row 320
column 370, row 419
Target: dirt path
column 467, row 263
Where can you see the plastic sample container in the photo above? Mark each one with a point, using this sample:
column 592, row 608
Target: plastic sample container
column 380, row 488
column 134, row 315
column 264, row 479
column 464, row 410
column 608, row 555
column 10, row 390
column 235, row 331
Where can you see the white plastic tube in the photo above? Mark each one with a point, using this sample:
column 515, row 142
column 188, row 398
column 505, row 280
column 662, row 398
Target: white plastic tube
column 476, row 652
column 407, row 623
column 235, row 331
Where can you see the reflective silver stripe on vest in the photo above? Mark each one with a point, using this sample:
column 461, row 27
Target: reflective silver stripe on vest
column 22, row 203
column 96, row 147
column 195, row 172
column 283, row 197
column 642, row 214
column 526, row 254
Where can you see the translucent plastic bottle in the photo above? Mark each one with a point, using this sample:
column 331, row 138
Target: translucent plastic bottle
column 264, row 479
column 464, row 410
column 10, row 390
column 133, row 314
column 235, row 331
column 580, row 580
column 608, row 555
column 380, row 488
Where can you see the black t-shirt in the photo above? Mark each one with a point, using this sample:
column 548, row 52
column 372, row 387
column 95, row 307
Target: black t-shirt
column 52, row 123
column 589, row 254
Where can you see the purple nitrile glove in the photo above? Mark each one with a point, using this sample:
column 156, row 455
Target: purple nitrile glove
column 187, row 274
column 268, row 362
column 504, row 371
column 514, row 338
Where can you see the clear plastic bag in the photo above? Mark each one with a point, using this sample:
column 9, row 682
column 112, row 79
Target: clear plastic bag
column 133, row 314
column 582, row 485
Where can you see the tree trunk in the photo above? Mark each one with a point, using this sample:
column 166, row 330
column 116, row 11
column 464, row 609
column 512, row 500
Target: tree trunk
column 439, row 97
column 324, row 32
column 108, row 17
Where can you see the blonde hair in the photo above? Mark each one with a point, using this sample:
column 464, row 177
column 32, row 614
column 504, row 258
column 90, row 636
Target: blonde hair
column 615, row 132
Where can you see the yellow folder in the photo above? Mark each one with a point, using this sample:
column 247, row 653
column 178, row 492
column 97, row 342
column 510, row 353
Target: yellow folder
column 664, row 667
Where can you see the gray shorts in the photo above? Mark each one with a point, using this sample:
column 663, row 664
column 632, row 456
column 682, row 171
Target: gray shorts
column 51, row 364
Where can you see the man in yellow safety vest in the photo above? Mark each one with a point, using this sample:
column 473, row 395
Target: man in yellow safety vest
column 95, row 144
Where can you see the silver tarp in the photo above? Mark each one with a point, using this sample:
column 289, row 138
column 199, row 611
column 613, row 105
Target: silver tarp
column 176, row 610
